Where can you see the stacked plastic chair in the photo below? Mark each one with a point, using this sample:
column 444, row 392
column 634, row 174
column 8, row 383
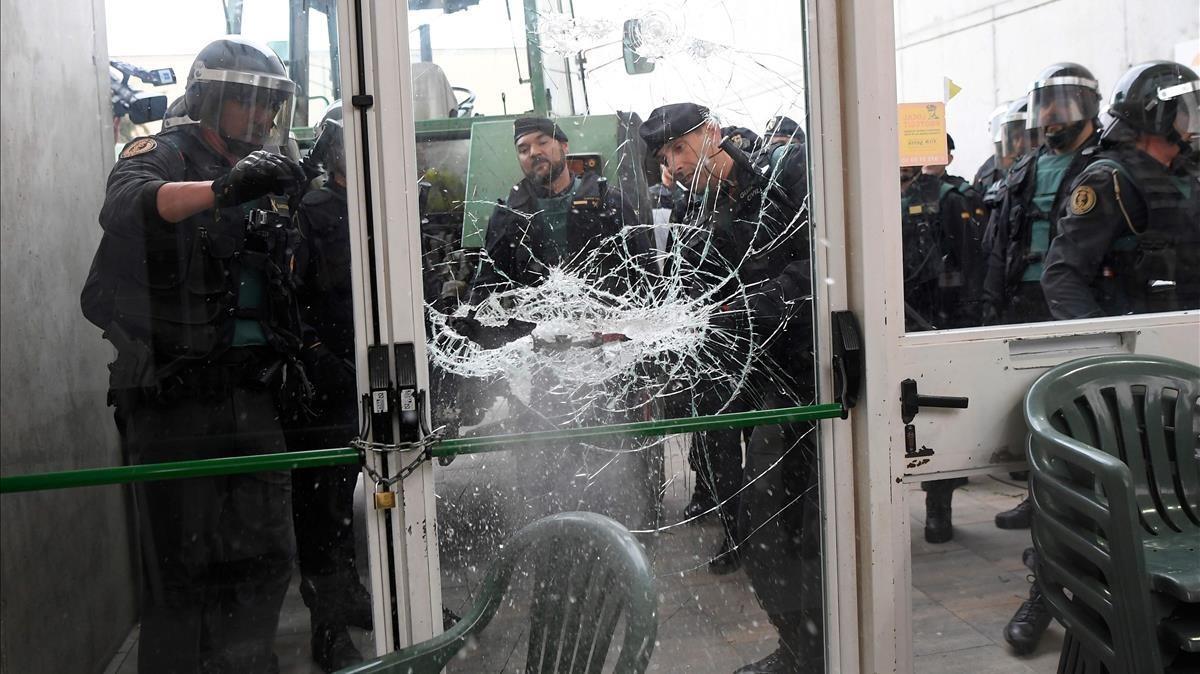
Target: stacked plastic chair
column 1114, row 448
column 591, row 576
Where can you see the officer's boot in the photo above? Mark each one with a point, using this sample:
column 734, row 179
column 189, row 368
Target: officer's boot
column 938, row 528
column 332, row 647
column 702, row 500
column 1017, row 518
column 727, row 560
column 357, row 602
column 1030, row 621
column 800, row 651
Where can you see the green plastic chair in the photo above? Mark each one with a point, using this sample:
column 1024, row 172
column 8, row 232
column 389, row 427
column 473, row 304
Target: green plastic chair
column 1115, row 480
column 589, row 572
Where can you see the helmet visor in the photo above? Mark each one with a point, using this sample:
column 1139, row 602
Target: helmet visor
column 1186, row 97
column 996, row 122
column 1062, row 100
column 1014, row 137
column 250, row 107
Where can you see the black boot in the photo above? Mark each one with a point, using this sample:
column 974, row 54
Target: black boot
column 779, row 662
column 702, row 501
column 358, row 606
column 1017, row 518
column 332, row 648
column 727, row 560
column 1029, row 623
column 938, row 528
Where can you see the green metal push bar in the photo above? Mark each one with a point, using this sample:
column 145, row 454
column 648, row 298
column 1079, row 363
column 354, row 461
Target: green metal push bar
column 342, row 456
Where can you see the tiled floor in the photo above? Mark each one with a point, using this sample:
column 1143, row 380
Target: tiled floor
column 964, row 592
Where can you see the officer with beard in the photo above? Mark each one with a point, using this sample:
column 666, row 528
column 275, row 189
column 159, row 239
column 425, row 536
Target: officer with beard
column 1064, row 103
column 745, row 248
column 1130, row 240
column 193, row 283
column 554, row 218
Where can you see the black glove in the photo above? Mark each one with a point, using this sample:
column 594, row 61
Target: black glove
column 258, row 174
column 490, row 336
column 332, row 377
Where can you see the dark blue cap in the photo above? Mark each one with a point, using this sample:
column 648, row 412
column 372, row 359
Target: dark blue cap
column 668, row 122
column 527, row 125
column 785, row 126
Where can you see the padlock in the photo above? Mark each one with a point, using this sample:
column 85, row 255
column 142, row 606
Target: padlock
column 384, row 499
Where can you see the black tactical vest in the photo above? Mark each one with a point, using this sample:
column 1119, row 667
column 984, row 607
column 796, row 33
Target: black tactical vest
column 1156, row 265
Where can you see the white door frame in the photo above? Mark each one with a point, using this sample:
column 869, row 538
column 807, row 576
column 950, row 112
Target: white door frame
column 389, row 306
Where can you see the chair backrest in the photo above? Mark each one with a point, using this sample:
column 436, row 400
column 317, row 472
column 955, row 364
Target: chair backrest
column 589, row 572
column 1112, row 445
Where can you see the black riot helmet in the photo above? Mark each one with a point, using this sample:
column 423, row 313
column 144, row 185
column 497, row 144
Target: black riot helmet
column 1013, row 138
column 1063, row 98
column 1160, row 98
column 329, row 150
column 241, row 90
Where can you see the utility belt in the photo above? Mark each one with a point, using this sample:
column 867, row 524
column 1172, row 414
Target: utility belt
column 254, row 368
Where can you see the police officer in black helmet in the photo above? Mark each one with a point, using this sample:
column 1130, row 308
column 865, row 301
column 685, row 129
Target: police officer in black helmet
column 1064, row 102
column 1130, row 239
column 749, row 232
column 197, row 298
column 323, row 499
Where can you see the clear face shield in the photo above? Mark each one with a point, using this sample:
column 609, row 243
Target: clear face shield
column 252, row 108
column 1013, row 138
column 1186, row 97
column 1060, row 101
column 995, row 124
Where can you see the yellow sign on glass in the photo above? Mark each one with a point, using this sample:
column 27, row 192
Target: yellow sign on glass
column 922, row 129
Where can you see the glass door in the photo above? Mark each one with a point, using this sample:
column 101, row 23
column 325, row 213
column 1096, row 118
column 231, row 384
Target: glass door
column 588, row 215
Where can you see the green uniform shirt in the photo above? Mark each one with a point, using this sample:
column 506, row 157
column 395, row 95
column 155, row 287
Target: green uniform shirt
column 554, row 211
column 1050, row 171
column 247, row 331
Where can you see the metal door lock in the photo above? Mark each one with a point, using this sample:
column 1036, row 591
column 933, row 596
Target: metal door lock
column 911, row 403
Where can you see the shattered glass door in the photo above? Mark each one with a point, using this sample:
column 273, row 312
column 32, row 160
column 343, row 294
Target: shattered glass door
column 615, row 229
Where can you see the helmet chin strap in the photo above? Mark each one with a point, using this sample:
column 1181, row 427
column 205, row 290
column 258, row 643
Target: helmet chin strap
column 239, row 148
column 1064, row 137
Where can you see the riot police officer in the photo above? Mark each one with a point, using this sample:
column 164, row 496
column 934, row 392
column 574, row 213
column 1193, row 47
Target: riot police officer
column 193, row 284
column 322, row 501
column 992, row 170
column 1129, row 241
column 749, row 246
column 942, row 234
column 1064, row 102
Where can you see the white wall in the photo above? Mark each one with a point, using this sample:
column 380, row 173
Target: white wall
column 994, row 48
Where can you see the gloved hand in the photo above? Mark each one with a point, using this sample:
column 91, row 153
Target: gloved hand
column 988, row 314
column 490, row 336
column 258, row 174
column 331, row 377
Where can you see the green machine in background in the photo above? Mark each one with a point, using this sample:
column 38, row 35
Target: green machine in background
column 492, row 167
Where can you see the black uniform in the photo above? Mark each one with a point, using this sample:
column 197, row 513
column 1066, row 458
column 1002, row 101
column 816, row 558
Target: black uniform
column 206, row 326
column 323, row 498
column 1012, row 291
column 1129, row 241
column 759, row 234
column 942, row 253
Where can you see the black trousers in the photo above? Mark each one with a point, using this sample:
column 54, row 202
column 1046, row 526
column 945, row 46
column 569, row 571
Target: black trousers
column 216, row 552
column 323, row 511
column 716, row 458
column 780, row 525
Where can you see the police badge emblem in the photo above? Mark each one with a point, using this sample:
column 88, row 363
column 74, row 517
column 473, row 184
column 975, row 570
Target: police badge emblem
column 1083, row 200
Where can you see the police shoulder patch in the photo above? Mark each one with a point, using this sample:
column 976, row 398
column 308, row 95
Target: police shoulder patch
column 1083, row 200
column 138, row 146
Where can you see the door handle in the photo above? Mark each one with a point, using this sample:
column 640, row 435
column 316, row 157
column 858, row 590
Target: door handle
column 911, row 402
column 847, row 360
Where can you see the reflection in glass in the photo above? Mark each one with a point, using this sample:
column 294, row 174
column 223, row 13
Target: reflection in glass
column 631, row 242
column 223, row 280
